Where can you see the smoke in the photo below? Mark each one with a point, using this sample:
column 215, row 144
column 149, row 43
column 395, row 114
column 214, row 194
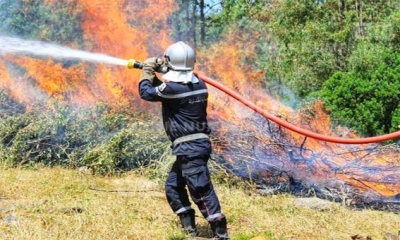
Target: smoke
column 26, row 87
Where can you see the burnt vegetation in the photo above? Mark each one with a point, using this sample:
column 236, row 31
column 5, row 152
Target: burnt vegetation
column 266, row 155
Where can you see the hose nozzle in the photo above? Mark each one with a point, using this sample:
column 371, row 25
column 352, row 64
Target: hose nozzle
column 132, row 63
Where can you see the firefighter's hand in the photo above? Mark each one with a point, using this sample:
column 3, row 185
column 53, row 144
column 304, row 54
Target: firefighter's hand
column 148, row 70
column 150, row 66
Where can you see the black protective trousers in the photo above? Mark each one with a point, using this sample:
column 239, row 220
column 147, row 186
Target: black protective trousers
column 192, row 173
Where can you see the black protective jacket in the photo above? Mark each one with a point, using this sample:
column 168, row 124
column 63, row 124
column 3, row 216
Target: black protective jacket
column 184, row 112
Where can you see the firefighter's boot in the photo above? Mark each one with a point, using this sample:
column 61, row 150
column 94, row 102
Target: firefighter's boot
column 188, row 222
column 219, row 229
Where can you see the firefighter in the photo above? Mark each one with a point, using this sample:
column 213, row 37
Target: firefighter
column 184, row 111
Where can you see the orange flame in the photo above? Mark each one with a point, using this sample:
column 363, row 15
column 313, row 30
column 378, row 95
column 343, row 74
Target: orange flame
column 109, row 27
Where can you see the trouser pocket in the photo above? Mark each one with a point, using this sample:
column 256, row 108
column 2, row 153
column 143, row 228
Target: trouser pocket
column 197, row 178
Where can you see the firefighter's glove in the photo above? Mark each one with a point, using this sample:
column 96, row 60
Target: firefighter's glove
column 150, row 67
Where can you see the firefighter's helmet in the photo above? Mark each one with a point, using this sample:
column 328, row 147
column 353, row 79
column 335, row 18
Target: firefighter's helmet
column 180, row 57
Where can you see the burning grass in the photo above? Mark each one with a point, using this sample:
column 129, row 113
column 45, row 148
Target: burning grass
column 58, row 203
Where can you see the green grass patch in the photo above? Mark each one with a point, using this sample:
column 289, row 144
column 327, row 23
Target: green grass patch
column 61, row 203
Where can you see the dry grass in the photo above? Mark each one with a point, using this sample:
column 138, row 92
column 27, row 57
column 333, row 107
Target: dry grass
column 57, row 203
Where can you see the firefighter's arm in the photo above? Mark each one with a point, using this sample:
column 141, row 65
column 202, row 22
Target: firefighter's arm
column 148, row 92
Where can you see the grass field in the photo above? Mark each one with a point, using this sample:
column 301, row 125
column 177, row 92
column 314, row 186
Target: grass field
column 58, row 203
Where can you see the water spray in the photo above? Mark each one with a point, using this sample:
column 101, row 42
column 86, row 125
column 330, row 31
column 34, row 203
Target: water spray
column 11, row 45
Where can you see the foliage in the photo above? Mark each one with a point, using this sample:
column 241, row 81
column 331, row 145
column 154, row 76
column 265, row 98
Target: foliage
column 130, row 148
column 8, row 105
column 235, row 13
column 302, row 44
column 183, row 21
column 367, row 98
column 366, row 95
column 34, row 20
column 97, row 137
column 396, row 120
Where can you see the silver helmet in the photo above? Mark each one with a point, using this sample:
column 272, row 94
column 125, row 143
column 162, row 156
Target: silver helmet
column 180, row 57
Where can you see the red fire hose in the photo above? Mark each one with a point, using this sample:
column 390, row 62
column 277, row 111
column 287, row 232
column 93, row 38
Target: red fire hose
column 294, row 128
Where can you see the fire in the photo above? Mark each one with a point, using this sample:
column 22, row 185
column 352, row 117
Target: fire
column 4, row 76
column 53, row 77
column 115, row 28
column 106, row 25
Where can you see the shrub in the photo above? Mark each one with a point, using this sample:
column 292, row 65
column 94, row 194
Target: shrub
column 99, row 137
column 366, row 100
